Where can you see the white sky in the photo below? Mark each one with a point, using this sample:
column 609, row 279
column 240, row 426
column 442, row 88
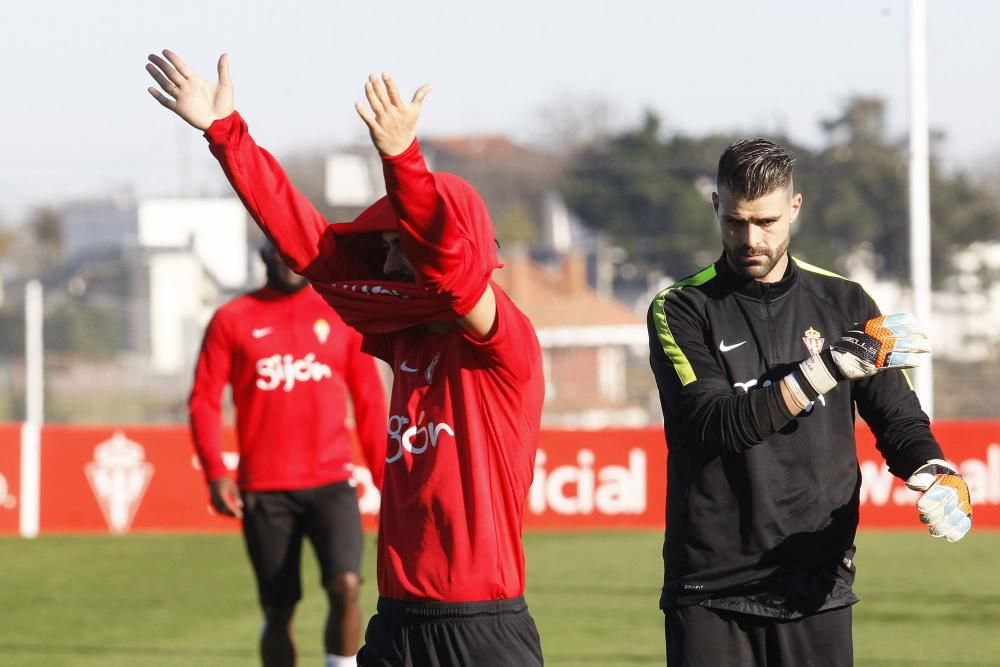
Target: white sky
column 77, row 121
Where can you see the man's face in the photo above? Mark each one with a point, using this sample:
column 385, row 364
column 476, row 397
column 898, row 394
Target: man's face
column 755, row 234
column 279, row 275
column 396, row 266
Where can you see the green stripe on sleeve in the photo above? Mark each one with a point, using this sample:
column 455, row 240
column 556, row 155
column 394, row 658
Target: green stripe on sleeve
column 673, row 351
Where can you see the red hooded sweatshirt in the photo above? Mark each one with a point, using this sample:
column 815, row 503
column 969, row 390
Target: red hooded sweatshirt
column 464, row 413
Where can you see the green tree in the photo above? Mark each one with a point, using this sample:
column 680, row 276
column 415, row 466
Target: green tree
column 644, row 193
column 650, row 195
column 855, row 191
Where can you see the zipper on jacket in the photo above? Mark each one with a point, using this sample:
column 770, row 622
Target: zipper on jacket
column 764, row 288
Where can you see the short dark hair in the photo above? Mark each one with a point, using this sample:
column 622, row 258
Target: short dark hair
column 752, row 168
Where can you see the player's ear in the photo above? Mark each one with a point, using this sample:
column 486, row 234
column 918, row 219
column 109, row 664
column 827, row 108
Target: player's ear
column 796, row 205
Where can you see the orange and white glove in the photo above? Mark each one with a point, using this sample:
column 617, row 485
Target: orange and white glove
column 944, row 504
column 882, row 343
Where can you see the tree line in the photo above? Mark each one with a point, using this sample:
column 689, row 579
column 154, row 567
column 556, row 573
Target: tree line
column 650, row 194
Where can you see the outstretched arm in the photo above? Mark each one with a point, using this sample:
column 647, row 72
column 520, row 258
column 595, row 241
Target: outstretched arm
column 288, row 218
column 430, row 228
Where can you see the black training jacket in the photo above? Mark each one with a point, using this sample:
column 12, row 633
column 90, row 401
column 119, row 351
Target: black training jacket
column 759, row 503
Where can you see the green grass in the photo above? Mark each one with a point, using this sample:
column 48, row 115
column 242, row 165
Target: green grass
column 189, row 600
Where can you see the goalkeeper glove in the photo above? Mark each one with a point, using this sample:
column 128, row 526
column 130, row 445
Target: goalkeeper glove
column 944, row 504
column 883, row 342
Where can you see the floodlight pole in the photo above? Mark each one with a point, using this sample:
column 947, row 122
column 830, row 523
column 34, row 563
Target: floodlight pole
column 920, row 200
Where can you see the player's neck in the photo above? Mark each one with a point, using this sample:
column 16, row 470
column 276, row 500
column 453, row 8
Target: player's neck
column 284, row 287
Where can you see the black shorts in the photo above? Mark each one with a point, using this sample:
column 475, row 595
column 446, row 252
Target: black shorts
column 495, row 633
column 274, row 523
column 701, row 637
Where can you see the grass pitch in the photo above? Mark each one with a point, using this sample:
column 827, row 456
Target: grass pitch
column 189, row 600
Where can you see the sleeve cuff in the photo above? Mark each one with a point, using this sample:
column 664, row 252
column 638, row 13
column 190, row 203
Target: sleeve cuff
column 216, row 471
column 413, row 149
column 219, row 131
column 904, row 465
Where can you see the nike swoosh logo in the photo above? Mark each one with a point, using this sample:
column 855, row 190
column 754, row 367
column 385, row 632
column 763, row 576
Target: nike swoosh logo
column 260, row 333
column 405, row 367
column 725, row 348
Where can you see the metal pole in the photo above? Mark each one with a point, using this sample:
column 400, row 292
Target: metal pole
column 31, row 445
column 34, row 381
column 920, row 197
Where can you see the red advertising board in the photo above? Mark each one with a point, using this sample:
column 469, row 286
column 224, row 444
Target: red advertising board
column 972, row 447
column 121, row 479
column 10, row 477
column 610, row 479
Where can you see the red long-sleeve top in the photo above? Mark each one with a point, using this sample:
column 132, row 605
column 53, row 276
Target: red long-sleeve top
column 292, row 364
column 465, row 413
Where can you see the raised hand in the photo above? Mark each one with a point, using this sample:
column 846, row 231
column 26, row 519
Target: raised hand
column 391, row 122
column 197, row 101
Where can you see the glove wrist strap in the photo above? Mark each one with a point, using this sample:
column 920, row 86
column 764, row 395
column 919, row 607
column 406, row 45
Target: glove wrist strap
column 936, row 467
column 800, row 397
column 815, row 375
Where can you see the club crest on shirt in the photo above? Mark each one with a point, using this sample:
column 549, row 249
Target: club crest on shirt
column 322, row 330
column 813, row 340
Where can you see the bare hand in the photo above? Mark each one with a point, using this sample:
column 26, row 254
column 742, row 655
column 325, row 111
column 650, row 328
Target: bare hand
column 189, row 96
column 226, row 497
column 391, row 122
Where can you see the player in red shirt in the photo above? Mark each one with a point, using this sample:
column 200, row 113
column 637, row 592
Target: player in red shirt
column 291, row 363
column 468, row 388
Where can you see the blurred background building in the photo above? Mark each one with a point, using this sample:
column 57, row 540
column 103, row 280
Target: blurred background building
column 588, row 235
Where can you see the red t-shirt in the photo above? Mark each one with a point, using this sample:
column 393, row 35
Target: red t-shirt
column 463, row 430
column 291, row 363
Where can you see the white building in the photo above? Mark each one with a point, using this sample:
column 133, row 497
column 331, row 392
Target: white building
column 966, row 312
column 180, row 254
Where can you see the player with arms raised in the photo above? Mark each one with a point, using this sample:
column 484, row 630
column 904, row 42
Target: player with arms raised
column 412, row 273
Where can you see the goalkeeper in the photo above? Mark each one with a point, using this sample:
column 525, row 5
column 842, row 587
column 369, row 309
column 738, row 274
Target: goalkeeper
column 762, row 361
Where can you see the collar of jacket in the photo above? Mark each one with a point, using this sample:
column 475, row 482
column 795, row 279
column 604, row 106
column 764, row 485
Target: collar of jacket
column 756, row 289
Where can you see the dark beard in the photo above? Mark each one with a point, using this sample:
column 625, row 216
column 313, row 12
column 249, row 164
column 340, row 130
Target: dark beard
column 738, row 260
